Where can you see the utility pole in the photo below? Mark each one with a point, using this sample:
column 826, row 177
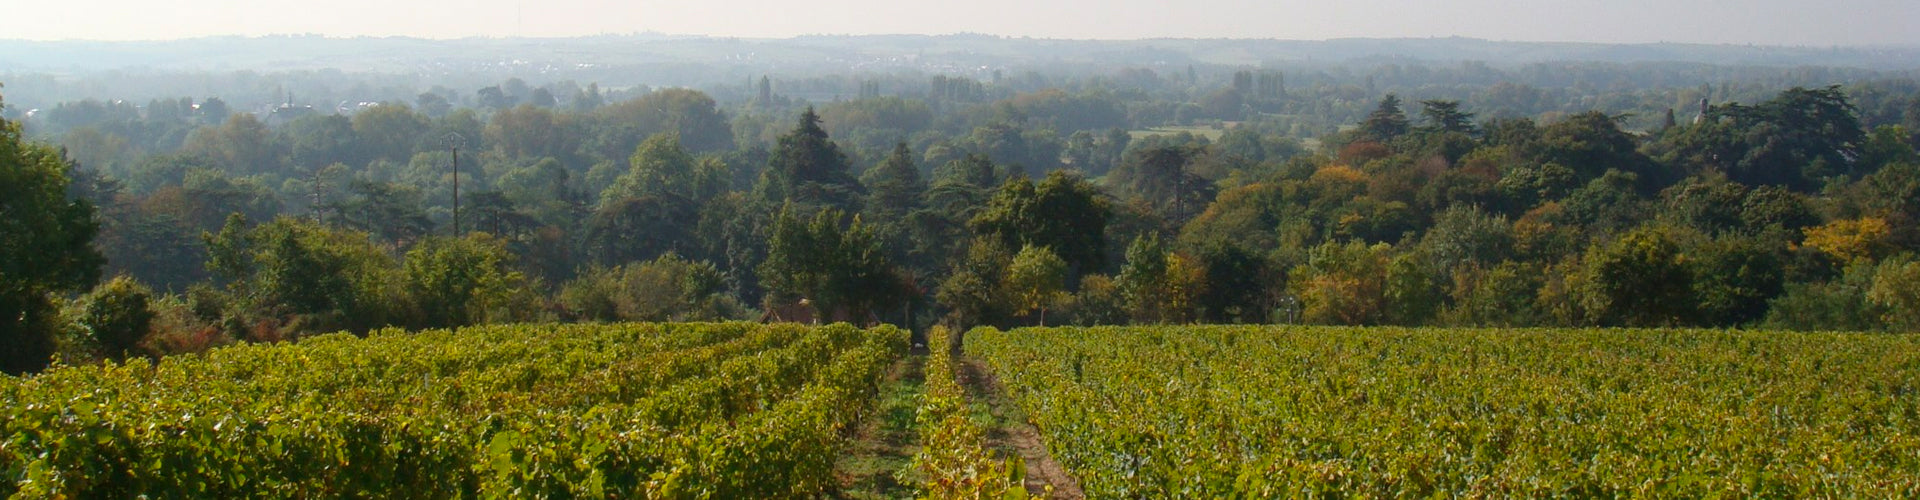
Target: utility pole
column 454, row 142
column 319, row 196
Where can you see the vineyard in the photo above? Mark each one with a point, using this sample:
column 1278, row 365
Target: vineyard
column 1274, row 412
column 738, row 410
column 729, row 410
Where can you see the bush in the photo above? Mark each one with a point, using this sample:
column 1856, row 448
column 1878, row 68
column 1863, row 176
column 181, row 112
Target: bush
column 118, row 315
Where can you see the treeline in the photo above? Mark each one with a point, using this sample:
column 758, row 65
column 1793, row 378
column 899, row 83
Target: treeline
column 1795, row 211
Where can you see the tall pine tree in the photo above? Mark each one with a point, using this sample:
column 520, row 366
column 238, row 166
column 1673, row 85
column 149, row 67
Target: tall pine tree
column 808, row 170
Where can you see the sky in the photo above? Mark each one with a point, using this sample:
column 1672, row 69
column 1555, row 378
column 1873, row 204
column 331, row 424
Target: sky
column 1759, row 22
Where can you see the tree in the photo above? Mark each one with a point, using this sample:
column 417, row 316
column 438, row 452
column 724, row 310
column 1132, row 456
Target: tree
column 242, row 145
column 1734, row 277
column 809, row 170
column 1794, row 140
column 1591, row 143
column 1641, row 279
column 1386, row 123
column 118, row 315
column 393, row 212
column 1236, row 290
column 1143, row 279
column 1099, row 302
column 458, row 282
column 319, row 140
column 618, row 128
column 1896, row 289
column 659, row 167
column 315, row 277
column 1445, row 116
column 895, row 186
column 1851, row 241
column 669, row 288
column 1343, row 283
column 1037, row 279
column 839, row 270
column 433, row 104
column 1009, row 144
column 390, row 131
column 1464, row 236
column 45, row 248
column 494, row 98
column 1412, row 290
column 542, row 97
column 213, row 110
column 1064, row 213
column 1159, row 175
column 1503, row 296
column 640, row 229
column 530, row 132
column 975, row 293
column 1835, row 305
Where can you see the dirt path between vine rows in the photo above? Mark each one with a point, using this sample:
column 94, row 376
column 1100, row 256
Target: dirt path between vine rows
column 1014, row 434
column 878, row 464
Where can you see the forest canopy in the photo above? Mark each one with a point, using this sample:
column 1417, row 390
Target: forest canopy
column 1130, row 196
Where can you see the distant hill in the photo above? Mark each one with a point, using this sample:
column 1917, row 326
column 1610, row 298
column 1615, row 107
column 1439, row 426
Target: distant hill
column 834, row 54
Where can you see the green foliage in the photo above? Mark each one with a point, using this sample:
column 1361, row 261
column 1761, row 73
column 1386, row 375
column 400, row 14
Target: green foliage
column 1343, row 283
column 1236, row 282
column 1642, row 279
column 118, row 316
column 1501, row 296
column 459, row 282
column 1734, row 277
column 1099, row 302
column 1386, row 123
column 1413, row 293
column 975, row 292
column 390, row 131
column 1273, row 412
column 1466, row 236
column 1064, row 214
column 1036, row 280
column 320, row 278
column 1839, row 304
column 875, row 118
column 839, row 270
column 640, row 229
column 669, row 288
column 1794, row 140
column 953, row 448
column 1445, row 116
column 1161, row 177
column 1143, row 280
column 895, row 185
column 1896, row 289
column 45, row 248
column 241, row 145
column 729, row 410
column 659, row 167
column 809, row 170
column 1021, row 149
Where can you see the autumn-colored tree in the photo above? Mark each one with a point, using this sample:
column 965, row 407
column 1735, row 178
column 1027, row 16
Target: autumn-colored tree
column 1850, row 240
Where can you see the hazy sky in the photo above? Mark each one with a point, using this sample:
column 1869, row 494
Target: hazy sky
column 1773, row 22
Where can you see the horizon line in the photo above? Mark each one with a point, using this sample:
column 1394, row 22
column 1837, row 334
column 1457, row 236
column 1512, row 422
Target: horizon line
column 686, row 36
